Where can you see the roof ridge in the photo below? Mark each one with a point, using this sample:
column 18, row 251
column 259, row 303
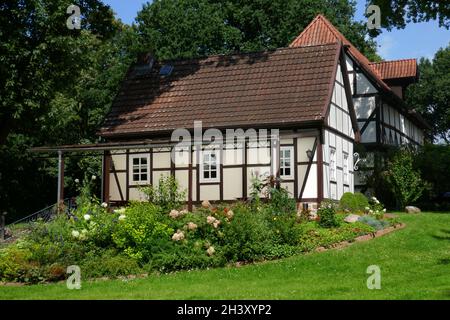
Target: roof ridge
column 206, row 57
column 397, row 60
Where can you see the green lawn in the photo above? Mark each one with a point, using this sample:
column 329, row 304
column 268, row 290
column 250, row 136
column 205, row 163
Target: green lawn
column 414, row 262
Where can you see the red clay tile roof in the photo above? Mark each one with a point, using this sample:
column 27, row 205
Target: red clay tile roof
column 406, row 68
column 322, row 31
column 285, row 86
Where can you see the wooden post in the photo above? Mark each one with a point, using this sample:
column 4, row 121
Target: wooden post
column 190, row 179
column 3, row 226
column 60, row 197
column 106, row 176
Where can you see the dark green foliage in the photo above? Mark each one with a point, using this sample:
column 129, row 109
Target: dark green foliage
column 167, row 194
column 430, row 95
column 281, row 201
column 353, row 202
column 327, row 215
column 405, row 181
column 397, row 13
column 189, row 28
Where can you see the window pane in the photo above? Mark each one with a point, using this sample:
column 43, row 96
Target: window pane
column 135, row 177
column 206, row 174
column 282, row 172
column 213, row 167
column 143, row 177
column 213, row 174
column 143, row 160
column 135, row 170
column 287, row 171
column 135, row 161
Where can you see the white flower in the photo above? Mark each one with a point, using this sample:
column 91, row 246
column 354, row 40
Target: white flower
column 210, row 251
column 206, row 204
column 104, row 205
column 87, row 217
column 77, row 180
column 210, row 219
column 94, row 177
column 174, row 214
column 191, row 226
column 370, row 211
column 121, row 210
column 229, row 214
column 75, row 234
column 216, row 223
column 384, row 210
column 122, row 217
column 367, row 208
column 179, row 235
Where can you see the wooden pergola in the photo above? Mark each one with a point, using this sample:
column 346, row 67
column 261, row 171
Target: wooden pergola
column 105, row 150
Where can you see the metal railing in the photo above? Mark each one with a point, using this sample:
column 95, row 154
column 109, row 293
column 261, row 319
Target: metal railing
column 47, row 213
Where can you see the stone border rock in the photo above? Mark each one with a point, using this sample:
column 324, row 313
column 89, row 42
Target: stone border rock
column 366, row 237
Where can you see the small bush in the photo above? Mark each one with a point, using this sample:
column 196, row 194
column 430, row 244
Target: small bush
column 108, row 263
column 280, row 201
column 327, row 215
column 374, row 223
column 140, row 234
column 167, row 194
column 353, row 202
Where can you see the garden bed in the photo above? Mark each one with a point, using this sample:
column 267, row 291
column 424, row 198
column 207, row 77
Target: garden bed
column 159, row 237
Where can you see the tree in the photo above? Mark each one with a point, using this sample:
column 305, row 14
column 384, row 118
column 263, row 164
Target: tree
column 431, row 95
column 40, row 56
column 397, row 13
column 190, row 28
column 404, row 180
column 56, row 87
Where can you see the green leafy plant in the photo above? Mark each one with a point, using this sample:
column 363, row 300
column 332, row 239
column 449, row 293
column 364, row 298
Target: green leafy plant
column 403, row 179
column 327, row 215
column 139, row 234
column 167, row 194
column 280, row 202
column 353, row 202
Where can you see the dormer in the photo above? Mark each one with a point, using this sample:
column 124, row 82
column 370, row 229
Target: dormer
column 397, row 74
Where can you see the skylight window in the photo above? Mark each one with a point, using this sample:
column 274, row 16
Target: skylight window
column 166, row 70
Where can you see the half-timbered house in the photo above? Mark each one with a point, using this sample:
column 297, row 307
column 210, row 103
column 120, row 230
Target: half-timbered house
column 320, row 95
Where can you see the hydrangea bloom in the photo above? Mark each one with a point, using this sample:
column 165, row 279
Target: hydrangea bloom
column 178, row 236
column 104, row 205
column 75, row 234
column 191, row 226
column 210, row 251
column 87, row 217
column 122, row 217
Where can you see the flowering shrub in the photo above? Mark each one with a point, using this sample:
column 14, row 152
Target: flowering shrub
column 327, row 215
column 375, row 208
column 140, row 234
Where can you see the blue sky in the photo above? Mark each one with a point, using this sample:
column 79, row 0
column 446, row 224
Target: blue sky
column 415, row 41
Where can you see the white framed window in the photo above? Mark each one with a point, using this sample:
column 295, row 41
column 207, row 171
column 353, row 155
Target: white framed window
column 332, row 164
column 287, row 162
column 209, row 166
column 140, row 168
column 346, row 171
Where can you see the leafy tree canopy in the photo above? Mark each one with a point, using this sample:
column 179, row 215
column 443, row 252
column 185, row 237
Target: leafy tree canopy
column 190, row 28
column 397, row 13
column 431, row 95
